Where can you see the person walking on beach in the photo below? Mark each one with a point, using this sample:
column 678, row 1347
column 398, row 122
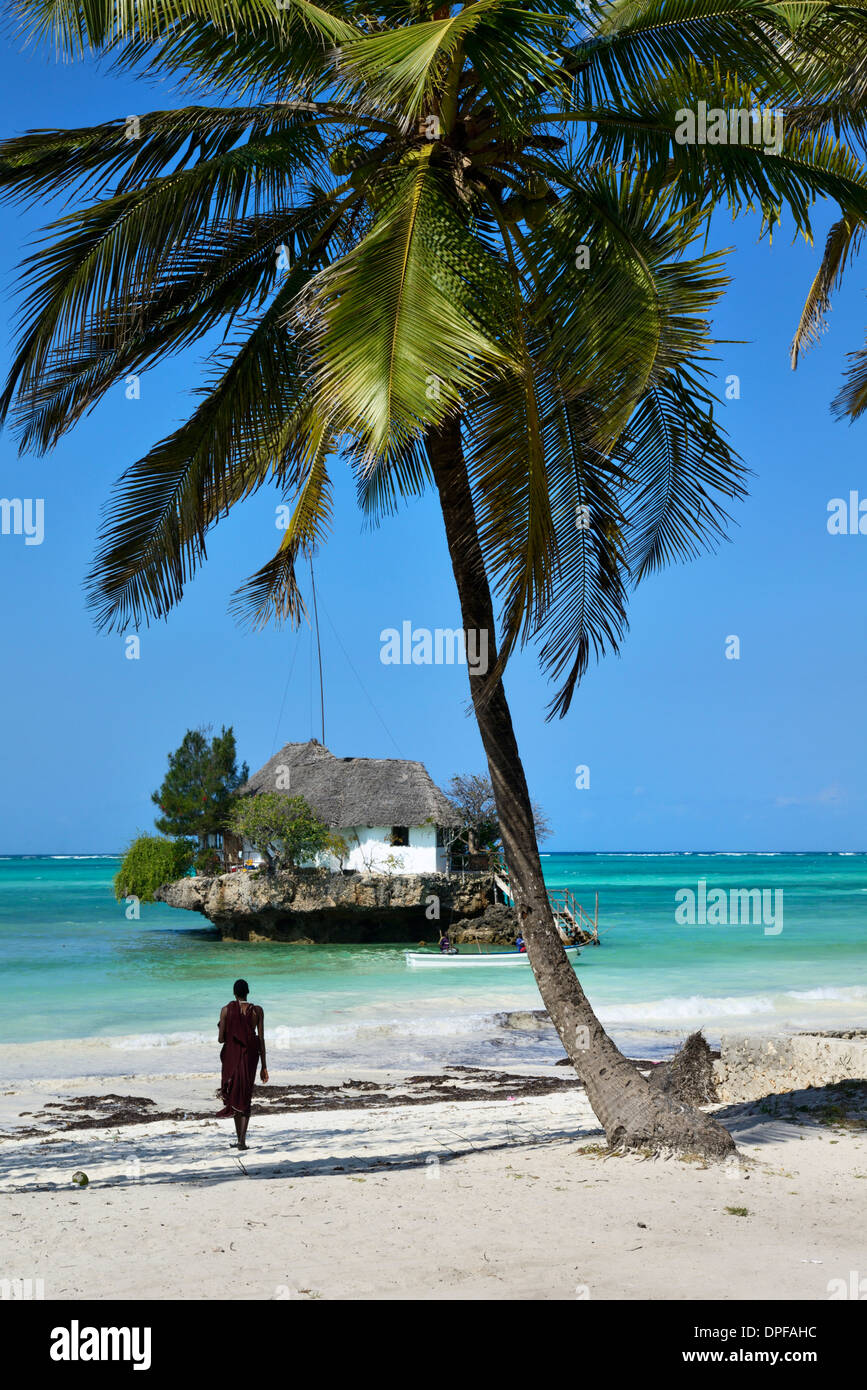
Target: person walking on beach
column 242, row 1034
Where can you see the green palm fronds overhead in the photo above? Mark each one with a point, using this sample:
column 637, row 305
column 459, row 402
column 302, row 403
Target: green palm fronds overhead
column 398, row 214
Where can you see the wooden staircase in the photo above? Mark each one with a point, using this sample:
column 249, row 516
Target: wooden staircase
column 571, row 919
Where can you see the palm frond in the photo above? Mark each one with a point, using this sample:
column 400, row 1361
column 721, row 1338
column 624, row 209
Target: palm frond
column 680, row 466
column 76, row 26
column 635, row 43
column 851, row 400
column 843, row 241
column 386, row 479
column 508, row 45
column 115, row 255
column 206, row 282
column 651, row 130
column 250, row 426
column 587, row 616
column 398, row 68
column 399, row 330
column 273, row 591
column 128, row 153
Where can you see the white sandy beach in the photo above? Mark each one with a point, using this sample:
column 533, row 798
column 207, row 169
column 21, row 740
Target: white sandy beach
column 470, row 1199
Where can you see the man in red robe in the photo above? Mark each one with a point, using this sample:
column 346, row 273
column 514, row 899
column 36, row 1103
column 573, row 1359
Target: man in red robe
column 242, row 1033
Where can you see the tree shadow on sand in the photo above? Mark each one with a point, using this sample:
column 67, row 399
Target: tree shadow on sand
column 785, row 1115
column 196, row 1153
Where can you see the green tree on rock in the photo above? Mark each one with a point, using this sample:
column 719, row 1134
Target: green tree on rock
column 283, row 829
column 196, row 794
column 148, row 863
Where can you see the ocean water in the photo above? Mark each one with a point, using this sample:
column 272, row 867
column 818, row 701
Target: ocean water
column 88, row 992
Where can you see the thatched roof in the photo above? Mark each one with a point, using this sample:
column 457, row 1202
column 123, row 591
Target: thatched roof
column 354, row 791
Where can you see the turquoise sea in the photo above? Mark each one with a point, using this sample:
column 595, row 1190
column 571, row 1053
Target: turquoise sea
column 88, row 992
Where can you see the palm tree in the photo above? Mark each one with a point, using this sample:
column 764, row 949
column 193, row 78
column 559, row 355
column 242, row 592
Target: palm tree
column 454, row 243
column 840, row 110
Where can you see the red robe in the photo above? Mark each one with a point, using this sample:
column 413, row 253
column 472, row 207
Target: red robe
column 240, row 1057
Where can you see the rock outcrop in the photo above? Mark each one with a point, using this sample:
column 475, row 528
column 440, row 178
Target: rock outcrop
column 315, row 905
column 497, row 925
column 750, row 1068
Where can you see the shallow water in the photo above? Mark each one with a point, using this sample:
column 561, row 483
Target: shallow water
column 125, row 995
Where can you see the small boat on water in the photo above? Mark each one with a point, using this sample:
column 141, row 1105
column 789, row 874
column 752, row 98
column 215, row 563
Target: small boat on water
column 464, row 960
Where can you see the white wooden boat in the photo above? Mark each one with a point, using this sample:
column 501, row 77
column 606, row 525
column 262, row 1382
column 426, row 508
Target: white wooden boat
column 467, row 958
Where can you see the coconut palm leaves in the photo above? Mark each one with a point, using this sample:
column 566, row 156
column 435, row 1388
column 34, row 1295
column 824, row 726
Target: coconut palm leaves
column 126, row 279
column 249, row 428
column 851, row 400
column 755, row 159
column 400, row 333
column 76, row 26
column 607, row 490
column 273, row 591
column 843, row 240
column 406, row 213
column 833, row 42
column 417, row 68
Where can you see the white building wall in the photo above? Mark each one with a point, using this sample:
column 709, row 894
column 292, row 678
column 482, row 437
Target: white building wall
column 373, row 849
column 370, row 849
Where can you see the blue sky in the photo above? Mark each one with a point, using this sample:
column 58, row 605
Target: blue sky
column 686, row 749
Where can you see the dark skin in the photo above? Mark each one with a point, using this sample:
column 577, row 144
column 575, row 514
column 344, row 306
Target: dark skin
column 241, row 1121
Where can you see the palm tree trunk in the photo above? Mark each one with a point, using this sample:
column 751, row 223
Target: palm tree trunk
column 633, row 1114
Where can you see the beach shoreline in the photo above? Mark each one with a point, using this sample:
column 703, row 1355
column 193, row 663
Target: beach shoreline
column 461, row 1196
column 419, row 1140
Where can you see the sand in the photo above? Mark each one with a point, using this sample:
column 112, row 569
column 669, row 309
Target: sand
column 472, row 1198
